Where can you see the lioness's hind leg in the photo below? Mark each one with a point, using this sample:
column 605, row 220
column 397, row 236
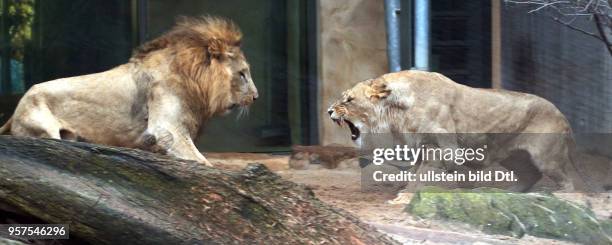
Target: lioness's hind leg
column 523, row 166
column 554, row 168
column 553, row 158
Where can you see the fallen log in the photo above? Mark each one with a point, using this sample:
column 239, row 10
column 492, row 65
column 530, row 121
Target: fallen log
column 111, row 195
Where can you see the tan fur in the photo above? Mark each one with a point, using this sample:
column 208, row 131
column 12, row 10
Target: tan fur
column 158, row 101
column 426, row 102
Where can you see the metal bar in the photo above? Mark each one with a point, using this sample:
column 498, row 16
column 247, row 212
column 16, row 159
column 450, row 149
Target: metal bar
column 2, row 45
column 294, row 77
column 143, row 20
column 392, row 10
column 496, row 61
column 35, row 72
column 311, row 83
column 6, row 49
column 406, row 34
column 421, row 35
column 134, row 23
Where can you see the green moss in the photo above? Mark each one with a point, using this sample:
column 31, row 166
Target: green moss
column 498, row 212
column 607, row 226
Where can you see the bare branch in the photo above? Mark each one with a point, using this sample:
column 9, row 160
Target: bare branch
column 546, row 5
column 571, row 20
column 577, row 29
column 566, row 12
column 588, row 5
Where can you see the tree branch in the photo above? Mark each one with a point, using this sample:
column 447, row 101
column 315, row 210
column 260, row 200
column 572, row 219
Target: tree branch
column 602, row 32
column 598, row 11
column 546, row 5
column 577, row 29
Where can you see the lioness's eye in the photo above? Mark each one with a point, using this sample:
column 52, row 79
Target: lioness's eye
column 242, row 76
column 349, row 99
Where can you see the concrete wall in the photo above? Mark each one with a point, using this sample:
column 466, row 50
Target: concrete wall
column 352, row 47
column 572, row 70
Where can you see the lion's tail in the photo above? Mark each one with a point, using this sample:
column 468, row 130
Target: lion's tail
column 6, row 128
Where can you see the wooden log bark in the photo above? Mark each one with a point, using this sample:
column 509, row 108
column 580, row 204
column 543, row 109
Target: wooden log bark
column 114, row 195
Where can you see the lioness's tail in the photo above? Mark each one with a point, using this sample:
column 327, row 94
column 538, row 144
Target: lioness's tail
column 589, row 183
column 6, row 128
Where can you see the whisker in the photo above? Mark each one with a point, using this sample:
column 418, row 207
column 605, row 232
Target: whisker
column 242, row 112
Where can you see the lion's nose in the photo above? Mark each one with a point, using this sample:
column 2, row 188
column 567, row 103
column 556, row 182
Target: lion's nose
column 330, row 111
column 255, row 96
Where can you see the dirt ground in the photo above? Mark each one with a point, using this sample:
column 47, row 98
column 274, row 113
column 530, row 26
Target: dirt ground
column 341, row 187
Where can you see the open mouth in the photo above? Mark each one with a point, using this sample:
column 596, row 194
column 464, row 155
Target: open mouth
column 354, row 130
column 232, row 106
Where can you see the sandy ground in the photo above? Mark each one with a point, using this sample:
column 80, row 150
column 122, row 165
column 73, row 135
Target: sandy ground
column 342, row 188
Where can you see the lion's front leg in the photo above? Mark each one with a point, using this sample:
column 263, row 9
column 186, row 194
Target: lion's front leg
column 173, row 144
column 186, row 149
column 166, row 131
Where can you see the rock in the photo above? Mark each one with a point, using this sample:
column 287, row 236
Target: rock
column 238, row 160
column 349, row 164
column 327, row 156
column 498, row 212
column 301, row 160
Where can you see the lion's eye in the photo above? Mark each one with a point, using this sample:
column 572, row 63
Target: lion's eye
column 243, row 77
column 349, row 99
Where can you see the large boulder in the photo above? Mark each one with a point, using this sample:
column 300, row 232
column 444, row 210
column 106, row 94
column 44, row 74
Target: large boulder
column 516, row 214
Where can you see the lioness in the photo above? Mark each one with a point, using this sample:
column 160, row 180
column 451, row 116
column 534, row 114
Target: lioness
column 157, row 101
column 427, row 102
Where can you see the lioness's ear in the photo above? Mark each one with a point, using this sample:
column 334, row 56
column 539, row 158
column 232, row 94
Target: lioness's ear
column 377, row 91
column 218, row 48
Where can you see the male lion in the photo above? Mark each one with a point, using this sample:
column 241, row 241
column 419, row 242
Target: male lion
column 420, row 102
column 157, row 101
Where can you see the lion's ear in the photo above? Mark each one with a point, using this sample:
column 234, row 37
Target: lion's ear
column 218, row 48
column 378, row 90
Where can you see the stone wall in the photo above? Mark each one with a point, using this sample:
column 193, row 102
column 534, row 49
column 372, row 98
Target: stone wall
column 352, row 47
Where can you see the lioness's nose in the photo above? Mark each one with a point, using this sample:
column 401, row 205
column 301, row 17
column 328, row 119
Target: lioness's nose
column 330, row 111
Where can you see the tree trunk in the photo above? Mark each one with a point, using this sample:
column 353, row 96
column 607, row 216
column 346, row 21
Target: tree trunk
column 122, row 196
